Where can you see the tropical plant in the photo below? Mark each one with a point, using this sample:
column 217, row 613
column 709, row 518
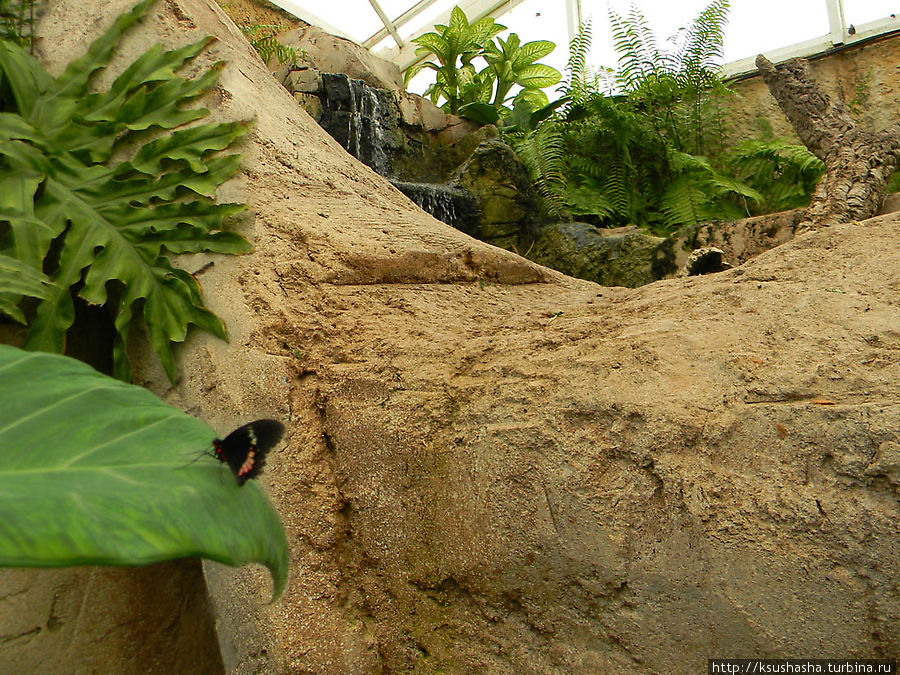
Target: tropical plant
column 678, row 90
column 629, row 148
column 455, row 46
column 513, row 63
column 482, row 94
column 263, row 38
column 18, row 280
column 90, row 197
column 99, row 472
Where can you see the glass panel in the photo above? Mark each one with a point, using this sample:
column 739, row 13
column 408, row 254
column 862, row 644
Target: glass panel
column 394, row 8
column 753, row 25
column 540, row 20
column 355, row 17
column 757, row 26
column 426, row 18
column 861, row 11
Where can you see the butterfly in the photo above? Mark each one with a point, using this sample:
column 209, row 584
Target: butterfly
column 244, row 449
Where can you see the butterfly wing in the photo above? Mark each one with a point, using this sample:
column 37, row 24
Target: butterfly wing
column 245, row 448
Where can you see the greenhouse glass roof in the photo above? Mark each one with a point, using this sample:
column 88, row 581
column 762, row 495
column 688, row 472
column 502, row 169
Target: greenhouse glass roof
column 777, row 28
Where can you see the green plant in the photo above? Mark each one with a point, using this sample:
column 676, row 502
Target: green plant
column 894, row 182
column 678, row 90
column 628, row 147
column 16, row 21
column 542, row 150
column 18, row 280
column 513, row 63
column 263, row 38
column 90, row 197
column 455, row 46
column 482, row 95
column 784, row 174
column 99, row 472
column 861, row 94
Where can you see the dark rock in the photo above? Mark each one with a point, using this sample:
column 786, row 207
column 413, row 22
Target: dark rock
column 625, row 256
column 706, row 260
column 361, row 118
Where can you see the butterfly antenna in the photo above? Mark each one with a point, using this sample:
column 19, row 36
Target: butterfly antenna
column 196, row 459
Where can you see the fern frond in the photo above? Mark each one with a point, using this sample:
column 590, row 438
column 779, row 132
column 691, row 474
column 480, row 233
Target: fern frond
column 542, row 151
column 785, row 174
column 575, row 85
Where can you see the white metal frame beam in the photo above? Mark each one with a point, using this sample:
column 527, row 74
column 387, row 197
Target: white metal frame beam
column 404, row 54
column 388, row 24
column 400, row 21
column 836, row 22
column 838, row 35
column 573, row 17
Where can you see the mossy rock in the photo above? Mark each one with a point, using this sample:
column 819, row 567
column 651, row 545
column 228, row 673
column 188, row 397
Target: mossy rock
column 506, row 199
column 625, row 256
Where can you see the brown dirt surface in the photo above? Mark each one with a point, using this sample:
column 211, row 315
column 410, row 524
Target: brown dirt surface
column 259, row 12
column 491, row 467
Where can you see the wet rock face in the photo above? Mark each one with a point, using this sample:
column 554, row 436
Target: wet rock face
column 361, row 118
column 449, row 204
column 506, row 198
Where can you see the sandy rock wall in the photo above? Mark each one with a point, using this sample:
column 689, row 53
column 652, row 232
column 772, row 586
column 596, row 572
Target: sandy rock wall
column 494, row 468
column 864, row 77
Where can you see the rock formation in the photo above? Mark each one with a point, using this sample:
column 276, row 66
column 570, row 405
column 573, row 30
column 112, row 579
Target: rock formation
column 491, row 467
column 858, row 161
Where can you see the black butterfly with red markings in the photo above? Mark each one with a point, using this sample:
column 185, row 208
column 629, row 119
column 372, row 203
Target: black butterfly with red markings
column 244, row 449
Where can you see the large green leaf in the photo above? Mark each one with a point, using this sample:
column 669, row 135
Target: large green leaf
column 96, row 471
column 531, row 52
column 537, row 76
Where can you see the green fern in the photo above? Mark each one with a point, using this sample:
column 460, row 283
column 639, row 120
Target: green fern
column 17, row 19
column 784, row 174
column 542, row 151
column 698, row 193
column 263, row 38
column 111, row 221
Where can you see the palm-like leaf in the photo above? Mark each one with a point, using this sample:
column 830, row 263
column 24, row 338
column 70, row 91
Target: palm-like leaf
column 115, row 220
column 19, row 279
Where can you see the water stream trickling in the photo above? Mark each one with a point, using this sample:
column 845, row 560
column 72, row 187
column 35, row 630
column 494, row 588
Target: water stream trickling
column 452, row 205
column 356, row 116
column 364, row 120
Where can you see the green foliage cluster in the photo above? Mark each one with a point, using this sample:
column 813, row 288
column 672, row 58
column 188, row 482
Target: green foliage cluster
column 263, row 38
column 94, row 199
column 92, row 196
column 482, row 95
column 644, row 144
column 784, row 174
column 16, row 20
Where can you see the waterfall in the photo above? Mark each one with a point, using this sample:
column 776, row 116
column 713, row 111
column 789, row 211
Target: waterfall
column 365, row 121
column 452, row 205
column 357, row 116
